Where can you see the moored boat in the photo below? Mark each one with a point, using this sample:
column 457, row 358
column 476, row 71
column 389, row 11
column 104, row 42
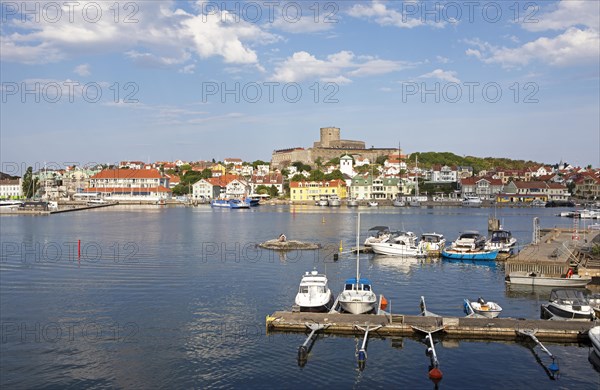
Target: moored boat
column 539, row 279
column 502, row 240
column 398, row 202
column 432, row 243
column 468, row 241
column 229, row 204
column 378, row 234
column 397, row 248
column 471, row 201
column 450, row 253
column 352, row 202
column 567, row 304
column 314, row 294
column 594, row 335
column 482, row 308
column 334, row 201
column 373, row 203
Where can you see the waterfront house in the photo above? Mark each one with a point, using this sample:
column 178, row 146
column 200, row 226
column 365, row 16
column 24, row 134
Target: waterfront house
column 11, row 188
column 130, row 185
column 314, row 190
column 269, row 180
column 587, row 186
column 483, row 188
column 528, row 191
column 369, row 187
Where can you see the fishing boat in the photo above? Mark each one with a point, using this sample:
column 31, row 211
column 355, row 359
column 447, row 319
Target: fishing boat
column 314, row 294
column 450, row 253
column 567, row 304
column 471, row 201
column 432, row 243
column 483, row 308
column 594, row 335
column 358, row 296
column 502, row 240
column 539, row 279
column 378, row 234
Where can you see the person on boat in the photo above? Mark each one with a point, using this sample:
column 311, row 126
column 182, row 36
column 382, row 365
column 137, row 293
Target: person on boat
column 569, row 273
column 282, row 238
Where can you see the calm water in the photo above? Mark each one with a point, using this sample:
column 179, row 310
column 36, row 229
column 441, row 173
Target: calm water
column 177, row 297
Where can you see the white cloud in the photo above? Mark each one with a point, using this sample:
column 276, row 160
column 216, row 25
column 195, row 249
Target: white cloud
column 188, row 69
column 338, row 66
column 444, row 75
column 83, row 70
column 378, row 11
column 571, row 13
column 442, row 59
column 162, row 36
column 573, row 47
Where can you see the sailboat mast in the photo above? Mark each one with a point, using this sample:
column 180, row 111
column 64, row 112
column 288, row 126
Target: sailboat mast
column 357, row 249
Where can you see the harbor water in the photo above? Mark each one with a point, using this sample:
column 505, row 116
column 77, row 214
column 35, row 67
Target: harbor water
column 175, row 297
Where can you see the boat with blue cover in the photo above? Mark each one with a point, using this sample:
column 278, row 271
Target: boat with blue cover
column 471, row 255
column 229, row 204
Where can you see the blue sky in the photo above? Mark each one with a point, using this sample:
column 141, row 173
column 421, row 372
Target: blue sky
column 503, row 79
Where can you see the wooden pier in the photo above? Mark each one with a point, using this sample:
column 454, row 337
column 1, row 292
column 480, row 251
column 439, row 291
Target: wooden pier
column 557, row 250
column 454, row 327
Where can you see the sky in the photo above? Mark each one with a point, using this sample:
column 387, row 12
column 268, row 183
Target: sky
column 93, row 81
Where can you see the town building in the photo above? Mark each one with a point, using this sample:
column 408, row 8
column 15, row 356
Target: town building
column 130, row 185
column 483, row 188
column 314, row 190
column 11, row 188
column 370, row 187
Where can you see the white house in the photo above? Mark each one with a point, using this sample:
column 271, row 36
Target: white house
column 10, row 189
column 346, row 165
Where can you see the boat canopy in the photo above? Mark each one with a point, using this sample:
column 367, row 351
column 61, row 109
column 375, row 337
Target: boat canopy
column 361, row 281
column 380, row 228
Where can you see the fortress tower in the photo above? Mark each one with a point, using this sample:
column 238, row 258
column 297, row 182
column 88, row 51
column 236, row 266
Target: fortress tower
column 329, row 134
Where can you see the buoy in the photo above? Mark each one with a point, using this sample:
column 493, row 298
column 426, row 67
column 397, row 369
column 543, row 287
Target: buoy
column 384, row 303
column 341, row 248
column 435, row 374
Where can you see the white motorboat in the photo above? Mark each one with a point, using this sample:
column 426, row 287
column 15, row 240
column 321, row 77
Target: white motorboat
column 567, row 304
column 334, row 201
column 357, row 296
column 323, row 202
column 373, row 203
column 352, row 202
column 539, row 279
column 594, row 335
column 10, row 203
column 432, row 243
column 471, row 201
column 502, row 240
column 469, row 241
column 314, row 295
column 398, row 202
column 482, row 308
column 397, row 248
column 400, row 236
column 377, row 234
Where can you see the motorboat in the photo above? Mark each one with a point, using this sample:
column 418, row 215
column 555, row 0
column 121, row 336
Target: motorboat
column 373, row 203
column 314, row 295
column 594, row 335
column 358, row 296
column 432, row 243
column 398, row 202
column 229, row 204
column 397, row 248
column 538, row 203
column 10, row 203
column 482, row 308
column 400, row 236
column 377, row 234
column 352, row 202
column 252, row 201
column 334, row 201
column 539, row 279
column 567, row 304
column 502, row 240
column 323, row 202
column 595, row 303
column 469, row 241
column 471, row 201
column 449, row 253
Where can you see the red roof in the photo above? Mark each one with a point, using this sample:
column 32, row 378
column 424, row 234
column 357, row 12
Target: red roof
column 127, row 174
column 473, row 180
column 127, row 189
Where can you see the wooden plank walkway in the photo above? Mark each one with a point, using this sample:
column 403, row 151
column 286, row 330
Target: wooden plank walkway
column 454, row 327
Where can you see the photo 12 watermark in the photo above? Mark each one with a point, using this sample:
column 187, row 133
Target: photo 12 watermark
column 469, row 92
column 56, row 332
column 69, row 11
column 69, row 252
column 270, row 11
column 69, row 92
column 269, row 92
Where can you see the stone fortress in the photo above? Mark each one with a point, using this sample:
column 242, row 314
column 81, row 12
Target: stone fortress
column 328, row 147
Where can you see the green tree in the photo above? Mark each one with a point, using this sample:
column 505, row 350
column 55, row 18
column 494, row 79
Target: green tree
column 262, row 189
column 316, row 175
column 381, row 160
column 30, row 184
column 273, row 191
column 335, row 175
column 298, row 177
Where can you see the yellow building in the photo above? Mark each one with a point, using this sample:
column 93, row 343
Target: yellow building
column 315, row 190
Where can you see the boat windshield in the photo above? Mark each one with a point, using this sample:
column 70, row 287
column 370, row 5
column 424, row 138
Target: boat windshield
column 569, row 296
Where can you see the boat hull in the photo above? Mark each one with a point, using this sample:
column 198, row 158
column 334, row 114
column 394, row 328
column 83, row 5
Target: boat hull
column 357, row 302
column 525, row 278
column 550, row 310
column 594, row 335
column 479, row 255
column 357, row 307
column 322, row 307
column 390, row 249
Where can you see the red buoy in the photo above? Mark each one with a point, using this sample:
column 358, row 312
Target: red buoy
column 435, row 374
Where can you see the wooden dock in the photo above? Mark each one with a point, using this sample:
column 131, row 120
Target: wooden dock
column 454, row 327
column 556, row 251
